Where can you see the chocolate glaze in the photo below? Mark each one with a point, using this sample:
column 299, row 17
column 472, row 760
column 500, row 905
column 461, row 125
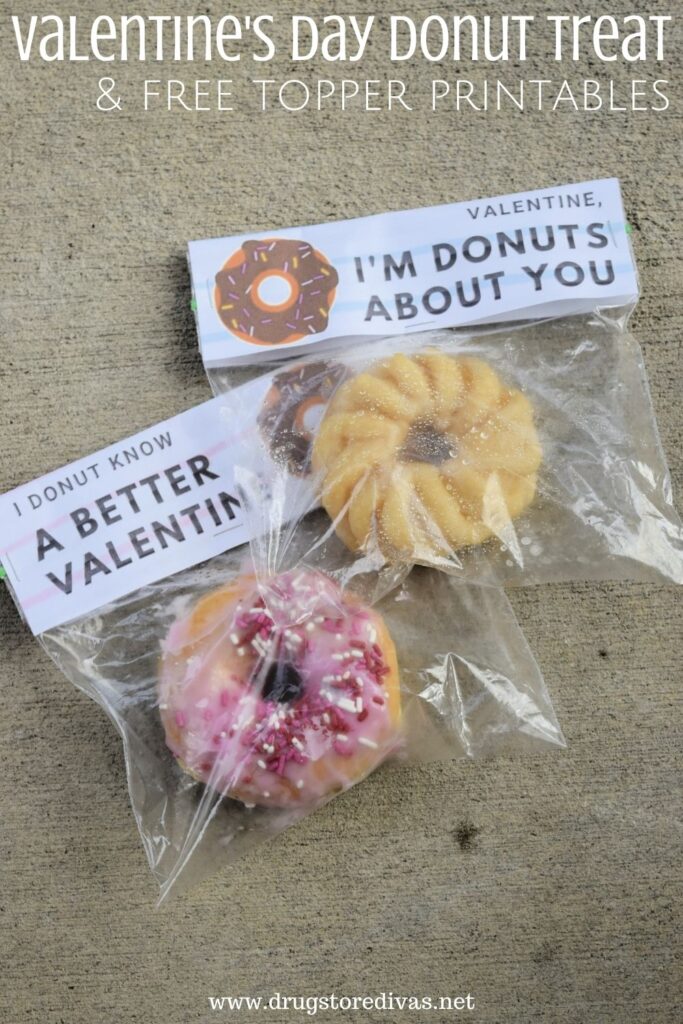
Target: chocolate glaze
column 299, row 385
column 308, row 311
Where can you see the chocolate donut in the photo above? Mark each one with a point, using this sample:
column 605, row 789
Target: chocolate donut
column 288, row 415
column 305, row 310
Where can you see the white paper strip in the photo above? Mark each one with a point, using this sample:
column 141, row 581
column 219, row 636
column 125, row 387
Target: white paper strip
column 165, row 499
column 532, row 254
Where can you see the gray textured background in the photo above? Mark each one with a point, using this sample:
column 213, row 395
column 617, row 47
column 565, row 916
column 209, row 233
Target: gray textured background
column 544, row 886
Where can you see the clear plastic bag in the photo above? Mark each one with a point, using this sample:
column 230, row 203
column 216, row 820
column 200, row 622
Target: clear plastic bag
column 467, row 685
column 528, row 454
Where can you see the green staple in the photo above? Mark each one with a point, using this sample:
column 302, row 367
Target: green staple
column 193, row 305
column 3, row 573
column 629, row 229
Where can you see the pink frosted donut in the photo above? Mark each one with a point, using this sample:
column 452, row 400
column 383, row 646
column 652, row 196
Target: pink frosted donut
column 280, row 692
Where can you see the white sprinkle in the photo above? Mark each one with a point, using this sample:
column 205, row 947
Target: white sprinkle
column 297, row 743
column 339, row 657
column 319, row 619
column 163, row 707
column 326, row 718
column 310, row 626
column 328, row 679
column 241, row 651
column 346, row 704
column 359, row 704
column 341, row 737
column 266, row 793
column 261, row 763
column 234, row 639
column 356, row 652
column 372, row 632
column 367, row 743
column 347, row 675
column 223, row 734
column 300, row 784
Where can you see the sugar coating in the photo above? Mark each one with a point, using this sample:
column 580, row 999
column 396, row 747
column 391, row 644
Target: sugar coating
column 423, row 456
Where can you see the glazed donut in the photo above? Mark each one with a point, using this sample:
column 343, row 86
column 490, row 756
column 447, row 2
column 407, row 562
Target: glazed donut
column 279, row 693
column 292, row 409
column 311, row 282
column 426, row 455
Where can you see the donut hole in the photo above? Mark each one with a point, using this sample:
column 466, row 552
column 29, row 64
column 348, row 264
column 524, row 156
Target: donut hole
column 309, row 416
column 282, row 682
column 424, row 443
column 274, row 290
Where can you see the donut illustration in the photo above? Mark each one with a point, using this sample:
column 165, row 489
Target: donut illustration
column 275, row 291
column 293, row 408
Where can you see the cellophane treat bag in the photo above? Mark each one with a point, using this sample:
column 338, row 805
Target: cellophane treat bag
column 466, row 393
column 253, row 666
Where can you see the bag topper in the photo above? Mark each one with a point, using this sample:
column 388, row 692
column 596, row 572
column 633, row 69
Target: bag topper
column 269, row 295
column 145, row 508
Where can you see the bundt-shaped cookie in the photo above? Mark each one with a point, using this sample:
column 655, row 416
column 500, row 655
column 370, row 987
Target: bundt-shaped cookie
column 425, row 455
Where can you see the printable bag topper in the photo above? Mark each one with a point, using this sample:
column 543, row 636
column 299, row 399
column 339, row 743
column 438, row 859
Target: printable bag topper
column 528, row 255
column 165, row 499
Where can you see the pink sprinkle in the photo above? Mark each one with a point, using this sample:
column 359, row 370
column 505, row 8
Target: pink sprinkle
column 180, row 719
column 342, row 748
column 225, row 698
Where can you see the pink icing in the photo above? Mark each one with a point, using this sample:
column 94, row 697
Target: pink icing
column 284, row 699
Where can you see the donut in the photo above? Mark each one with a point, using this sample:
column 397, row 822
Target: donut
column 425, row 455
column 308, row 284
column 279, row 693
column 292, row 410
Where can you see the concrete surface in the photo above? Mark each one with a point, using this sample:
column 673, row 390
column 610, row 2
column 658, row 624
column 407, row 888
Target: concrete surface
column 546, row 887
